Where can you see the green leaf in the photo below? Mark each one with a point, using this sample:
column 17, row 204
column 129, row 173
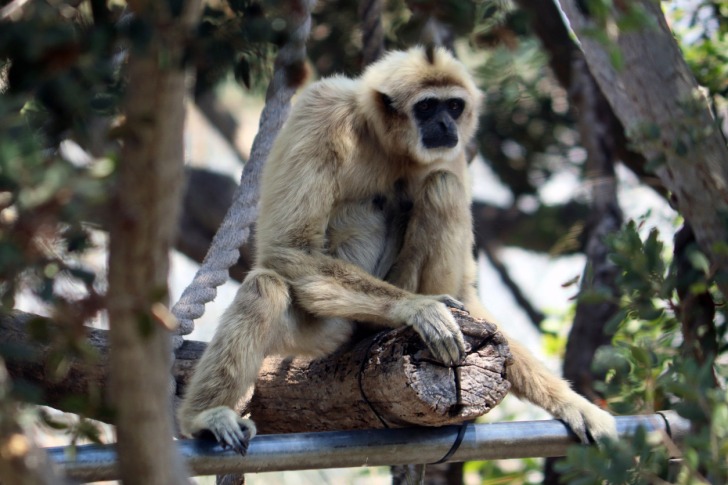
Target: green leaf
column 699, row 261
column 641, row 355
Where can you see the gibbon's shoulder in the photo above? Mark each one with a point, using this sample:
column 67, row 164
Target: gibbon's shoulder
column 329, row 94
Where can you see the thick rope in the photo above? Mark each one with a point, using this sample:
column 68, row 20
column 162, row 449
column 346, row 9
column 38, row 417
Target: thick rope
column 235, row 228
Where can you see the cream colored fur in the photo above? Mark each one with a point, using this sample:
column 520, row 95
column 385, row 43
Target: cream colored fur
column 346, row 176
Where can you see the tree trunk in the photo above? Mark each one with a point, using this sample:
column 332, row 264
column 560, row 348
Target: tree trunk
column 658, row 100
column 548, row 24
column 388, row 379
column 150, row 178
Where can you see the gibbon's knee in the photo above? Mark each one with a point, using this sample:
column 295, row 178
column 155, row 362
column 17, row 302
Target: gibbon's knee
column 442, row 193
column 259, row 316
column 264, row 285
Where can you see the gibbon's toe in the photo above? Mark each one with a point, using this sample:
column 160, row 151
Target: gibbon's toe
column 590, row 423
column 223, row 425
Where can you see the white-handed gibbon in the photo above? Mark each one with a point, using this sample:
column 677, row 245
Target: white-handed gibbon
column 365, row 216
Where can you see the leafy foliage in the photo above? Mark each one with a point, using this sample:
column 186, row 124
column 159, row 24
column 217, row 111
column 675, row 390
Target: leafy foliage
column 526, row 132
column 507, row 472
column 236, row 37
column 649, row 368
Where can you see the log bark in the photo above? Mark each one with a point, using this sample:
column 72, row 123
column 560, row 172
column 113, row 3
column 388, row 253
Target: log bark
column 387, row 380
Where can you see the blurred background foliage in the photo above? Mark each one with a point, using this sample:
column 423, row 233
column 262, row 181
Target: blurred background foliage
column 61, row 79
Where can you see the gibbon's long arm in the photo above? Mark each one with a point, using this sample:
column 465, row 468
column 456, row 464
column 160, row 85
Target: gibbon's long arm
column 438, row 237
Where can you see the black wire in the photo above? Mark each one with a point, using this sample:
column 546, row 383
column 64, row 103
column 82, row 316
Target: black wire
column 456, row 444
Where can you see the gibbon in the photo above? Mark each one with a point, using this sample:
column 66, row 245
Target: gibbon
column 365, row 216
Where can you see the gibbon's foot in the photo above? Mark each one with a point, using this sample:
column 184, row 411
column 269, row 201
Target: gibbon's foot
column 437, row 327
column 590, row 423
column 226, row 427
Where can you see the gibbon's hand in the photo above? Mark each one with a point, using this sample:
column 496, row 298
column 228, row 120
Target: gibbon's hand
column 226, row 427
column 590, row 423
column 431, row 319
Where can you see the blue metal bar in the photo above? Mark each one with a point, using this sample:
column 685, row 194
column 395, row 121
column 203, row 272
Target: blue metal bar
column 336, row 449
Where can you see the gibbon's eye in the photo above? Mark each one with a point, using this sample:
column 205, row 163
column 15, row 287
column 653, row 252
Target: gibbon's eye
column 425, row 106
column 455, row 106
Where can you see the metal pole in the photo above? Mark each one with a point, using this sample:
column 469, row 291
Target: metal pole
column 336, row 449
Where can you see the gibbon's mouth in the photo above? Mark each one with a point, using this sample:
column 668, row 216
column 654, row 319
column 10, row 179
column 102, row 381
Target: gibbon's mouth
column 441, row 142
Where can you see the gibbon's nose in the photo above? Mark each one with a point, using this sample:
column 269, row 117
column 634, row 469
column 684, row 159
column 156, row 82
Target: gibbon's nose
column 442, row 132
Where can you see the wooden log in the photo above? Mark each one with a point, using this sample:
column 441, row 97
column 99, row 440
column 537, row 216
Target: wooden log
column 390, row 377
column 387, row 380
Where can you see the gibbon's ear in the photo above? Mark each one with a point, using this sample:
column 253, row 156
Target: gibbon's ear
column 386, row 103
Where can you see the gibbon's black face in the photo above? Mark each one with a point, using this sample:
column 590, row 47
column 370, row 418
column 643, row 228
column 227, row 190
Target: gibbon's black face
column 436, row 121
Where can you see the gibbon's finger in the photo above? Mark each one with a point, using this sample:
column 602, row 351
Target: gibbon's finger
column 432, row 341
column 433, row 332
column 453, row 350
column 452, row 303
column 206, row 435
column 230, row 439
column 449, row 341
column 453, row 338
column 449, row 352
